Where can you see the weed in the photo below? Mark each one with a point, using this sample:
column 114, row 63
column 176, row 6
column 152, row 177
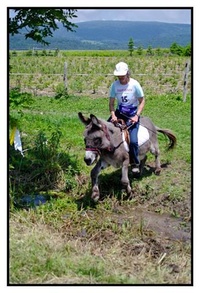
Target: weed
column 61, row 92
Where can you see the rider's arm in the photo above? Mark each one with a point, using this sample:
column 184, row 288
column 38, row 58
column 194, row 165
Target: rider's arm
column 139, row 110
column 141, row 105
column 112, row 109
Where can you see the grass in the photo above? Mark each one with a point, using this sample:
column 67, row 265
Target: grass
column 90, row 247
column 70, row 239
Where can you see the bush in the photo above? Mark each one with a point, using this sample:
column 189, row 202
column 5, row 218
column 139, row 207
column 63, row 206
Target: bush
column 19, row 100
column 42, row 168
column 187, row 50
column 179, row 50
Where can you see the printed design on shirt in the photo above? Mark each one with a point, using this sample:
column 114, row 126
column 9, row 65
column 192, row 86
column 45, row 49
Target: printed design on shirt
column 124, row 99
column 122, row 90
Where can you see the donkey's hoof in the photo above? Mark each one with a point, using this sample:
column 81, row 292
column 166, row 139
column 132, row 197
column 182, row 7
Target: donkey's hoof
column 95, row 195
column 126, row 194
column 131, row 196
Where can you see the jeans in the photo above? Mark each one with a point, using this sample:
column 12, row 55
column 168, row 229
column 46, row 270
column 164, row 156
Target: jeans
column 133, row 132
column 134, row 148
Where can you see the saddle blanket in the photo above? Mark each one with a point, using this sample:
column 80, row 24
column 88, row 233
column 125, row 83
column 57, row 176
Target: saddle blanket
column 143, row 136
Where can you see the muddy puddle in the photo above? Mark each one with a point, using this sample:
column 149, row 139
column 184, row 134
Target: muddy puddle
column 164, row 225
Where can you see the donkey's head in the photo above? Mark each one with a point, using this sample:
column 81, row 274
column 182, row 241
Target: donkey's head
column 96, row 137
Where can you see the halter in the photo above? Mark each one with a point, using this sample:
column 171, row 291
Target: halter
column 98, row 150
column 122, row 127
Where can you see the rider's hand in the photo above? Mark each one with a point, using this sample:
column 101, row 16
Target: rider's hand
column 114, row 118
column 134, row 119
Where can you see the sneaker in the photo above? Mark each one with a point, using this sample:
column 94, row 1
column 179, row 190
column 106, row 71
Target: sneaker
column 136, row 169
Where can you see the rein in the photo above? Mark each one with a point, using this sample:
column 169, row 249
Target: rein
column 105, row 130
column 138, row 122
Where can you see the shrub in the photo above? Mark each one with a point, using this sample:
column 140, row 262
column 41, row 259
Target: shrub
column 44, row 167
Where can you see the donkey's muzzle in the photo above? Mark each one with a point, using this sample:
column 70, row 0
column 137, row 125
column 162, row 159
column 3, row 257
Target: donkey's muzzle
column 90, row 156
column 88, row 161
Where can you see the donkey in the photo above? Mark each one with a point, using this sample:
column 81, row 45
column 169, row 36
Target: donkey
column 107, row 142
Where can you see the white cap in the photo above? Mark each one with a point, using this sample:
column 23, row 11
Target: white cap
column 121, row 69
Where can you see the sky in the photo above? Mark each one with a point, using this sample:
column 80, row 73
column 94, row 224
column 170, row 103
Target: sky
column 133, row 14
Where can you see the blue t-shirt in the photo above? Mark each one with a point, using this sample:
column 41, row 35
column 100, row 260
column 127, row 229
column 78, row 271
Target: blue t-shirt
column 127, row 96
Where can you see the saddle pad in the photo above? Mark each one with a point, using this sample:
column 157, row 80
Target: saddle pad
column 143, row 135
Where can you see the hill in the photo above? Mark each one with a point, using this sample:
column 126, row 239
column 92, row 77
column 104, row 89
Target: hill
column 102, row 35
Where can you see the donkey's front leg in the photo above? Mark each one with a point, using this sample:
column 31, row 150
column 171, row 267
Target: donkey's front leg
column 100, row 165
column 125, row 180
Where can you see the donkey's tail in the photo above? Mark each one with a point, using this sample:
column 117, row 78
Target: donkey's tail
column 168, row 133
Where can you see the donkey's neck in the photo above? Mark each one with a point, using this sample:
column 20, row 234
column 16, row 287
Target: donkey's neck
column 114, row 134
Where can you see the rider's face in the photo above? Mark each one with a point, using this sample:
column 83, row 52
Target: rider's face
column 123, row 79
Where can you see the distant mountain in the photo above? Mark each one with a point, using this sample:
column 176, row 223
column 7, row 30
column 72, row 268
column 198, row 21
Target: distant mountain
column 102, row 35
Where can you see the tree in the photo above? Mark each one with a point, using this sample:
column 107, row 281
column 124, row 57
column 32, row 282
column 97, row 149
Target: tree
column 187, row 50
column 131, row 46
column 149, row 51
column 140, row 50
column 158, row 51
column 40, row 23
column 176, row 49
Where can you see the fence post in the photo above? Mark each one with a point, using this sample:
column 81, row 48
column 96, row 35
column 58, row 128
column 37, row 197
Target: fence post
column 65, row 75
column 185, row 80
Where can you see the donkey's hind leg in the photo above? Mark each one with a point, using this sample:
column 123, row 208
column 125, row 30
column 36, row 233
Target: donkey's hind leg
column 154, row 149
column 142, row 164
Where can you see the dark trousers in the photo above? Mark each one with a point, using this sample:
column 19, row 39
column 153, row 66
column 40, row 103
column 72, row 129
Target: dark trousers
column 133, row 132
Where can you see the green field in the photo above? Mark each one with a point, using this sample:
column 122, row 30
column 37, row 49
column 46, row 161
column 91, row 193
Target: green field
column 71, row 240
column 90, row 73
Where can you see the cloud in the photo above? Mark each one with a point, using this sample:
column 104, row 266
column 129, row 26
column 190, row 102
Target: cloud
column 133, row 14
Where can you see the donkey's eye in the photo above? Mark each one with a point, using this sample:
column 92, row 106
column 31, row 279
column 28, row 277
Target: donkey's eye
column 97, row 141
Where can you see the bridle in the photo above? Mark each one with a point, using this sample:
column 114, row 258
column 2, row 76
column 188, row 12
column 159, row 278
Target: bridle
column 98, row 150
column 109, row 149
column 94, row 150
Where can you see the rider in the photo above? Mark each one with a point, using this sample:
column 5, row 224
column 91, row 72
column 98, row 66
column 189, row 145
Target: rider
column 130, row 103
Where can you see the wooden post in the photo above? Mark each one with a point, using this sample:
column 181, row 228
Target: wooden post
column 65, row 75
column 185, row 80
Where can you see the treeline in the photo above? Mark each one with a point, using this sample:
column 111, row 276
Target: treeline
column 175, row 49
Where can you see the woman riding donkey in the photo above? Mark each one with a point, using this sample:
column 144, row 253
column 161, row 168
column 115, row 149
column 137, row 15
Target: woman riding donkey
column 130, row 103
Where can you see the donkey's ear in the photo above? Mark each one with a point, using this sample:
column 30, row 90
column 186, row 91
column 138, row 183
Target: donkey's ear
column 95, row 121
column 84, row 120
